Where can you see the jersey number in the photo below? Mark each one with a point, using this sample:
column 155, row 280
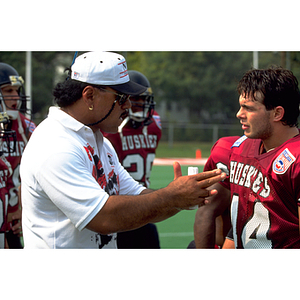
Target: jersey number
column 254, row 234
column 3, row 210
column 138, row 160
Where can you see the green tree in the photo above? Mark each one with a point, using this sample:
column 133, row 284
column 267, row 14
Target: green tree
column 203, row 82
column 44, row 72
column 197, row 80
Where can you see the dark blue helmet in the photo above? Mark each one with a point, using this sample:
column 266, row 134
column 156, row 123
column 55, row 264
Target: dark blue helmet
column 141, row 112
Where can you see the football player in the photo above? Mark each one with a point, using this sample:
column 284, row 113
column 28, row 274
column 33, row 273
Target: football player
column 265, row 162
column 7, row 144
column 13, row 94
column 135, row 143
column 212, row 220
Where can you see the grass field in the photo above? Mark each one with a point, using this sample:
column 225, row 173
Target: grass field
column 183, row 149
column 177, row 231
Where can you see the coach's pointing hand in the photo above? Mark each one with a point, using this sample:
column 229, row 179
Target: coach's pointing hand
column 194, row 187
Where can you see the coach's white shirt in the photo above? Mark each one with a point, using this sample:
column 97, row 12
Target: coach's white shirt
column 60, row 195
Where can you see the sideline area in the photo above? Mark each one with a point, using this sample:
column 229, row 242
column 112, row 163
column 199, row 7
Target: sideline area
column 182, row 161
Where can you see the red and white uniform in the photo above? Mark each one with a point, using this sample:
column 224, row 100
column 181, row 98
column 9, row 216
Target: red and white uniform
column 219, row 157
column 136, row 148
column 5, row 172
column 23, row 132
column 265, row 190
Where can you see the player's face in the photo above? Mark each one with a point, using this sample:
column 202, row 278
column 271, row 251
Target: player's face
column 255, row 119
column 11, row 97
column 137, row 104
column 118, row 114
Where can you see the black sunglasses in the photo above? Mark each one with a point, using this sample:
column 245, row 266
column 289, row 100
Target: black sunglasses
column 121, row 98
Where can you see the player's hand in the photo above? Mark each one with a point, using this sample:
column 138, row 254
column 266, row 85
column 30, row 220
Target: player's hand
column 192, row 190
column 16, row 222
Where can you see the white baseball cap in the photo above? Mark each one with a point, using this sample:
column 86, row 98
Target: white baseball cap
column 106, row 69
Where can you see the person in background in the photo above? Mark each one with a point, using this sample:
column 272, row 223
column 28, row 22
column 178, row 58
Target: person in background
column 14, row 99
column 212, row 220
column 7, row 144
column 135, row 143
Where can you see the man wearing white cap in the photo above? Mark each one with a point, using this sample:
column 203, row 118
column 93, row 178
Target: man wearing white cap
column 75, row 192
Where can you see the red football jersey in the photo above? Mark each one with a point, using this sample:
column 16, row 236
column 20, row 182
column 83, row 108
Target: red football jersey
column 265, row 190
column 219, row 157
column 136, row 148
column 15, row 158
column 4, row 175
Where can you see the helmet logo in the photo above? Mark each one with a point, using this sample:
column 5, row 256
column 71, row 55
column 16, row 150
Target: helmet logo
column 16, row 80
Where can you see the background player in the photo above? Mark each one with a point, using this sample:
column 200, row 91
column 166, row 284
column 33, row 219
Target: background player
column 135, row 143
column 7, row 144
column 212, row 220
column 265, row 163
column 13, row 94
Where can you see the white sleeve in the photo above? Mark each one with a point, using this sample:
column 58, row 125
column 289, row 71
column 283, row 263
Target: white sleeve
column 69, row 183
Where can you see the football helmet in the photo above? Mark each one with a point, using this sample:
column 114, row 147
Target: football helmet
column 142, row 106
column 10, row 77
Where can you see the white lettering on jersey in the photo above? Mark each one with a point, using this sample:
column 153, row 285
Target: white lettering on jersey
column 3, row 178
column 20, row 145
column 241, row 174
column 139, row 141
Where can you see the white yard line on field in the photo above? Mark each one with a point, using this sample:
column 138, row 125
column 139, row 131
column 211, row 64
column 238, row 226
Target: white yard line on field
column 182, row 161
column 175, row 234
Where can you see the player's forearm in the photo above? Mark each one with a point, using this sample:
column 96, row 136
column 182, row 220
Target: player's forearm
column 204, row 229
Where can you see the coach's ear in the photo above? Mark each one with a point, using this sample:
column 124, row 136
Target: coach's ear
column 278, row 113
column 88, row 95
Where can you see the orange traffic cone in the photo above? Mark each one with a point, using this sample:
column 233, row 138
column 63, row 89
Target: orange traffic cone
column 198, row 154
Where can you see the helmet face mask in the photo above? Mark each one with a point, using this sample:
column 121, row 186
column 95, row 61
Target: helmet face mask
column 11, row 97
column 12, row 90
column 8, row 138
column 142, row 106
column 141, row 110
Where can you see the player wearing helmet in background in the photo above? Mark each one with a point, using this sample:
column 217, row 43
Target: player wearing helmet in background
column 135, row 144
column 7, row 142
column 14, row 100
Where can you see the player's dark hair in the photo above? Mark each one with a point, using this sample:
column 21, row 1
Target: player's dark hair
column 279, row 88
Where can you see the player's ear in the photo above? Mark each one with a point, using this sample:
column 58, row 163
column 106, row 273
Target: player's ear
column 278, row 113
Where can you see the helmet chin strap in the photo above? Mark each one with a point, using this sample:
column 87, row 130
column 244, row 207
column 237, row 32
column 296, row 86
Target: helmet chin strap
column 112, row 107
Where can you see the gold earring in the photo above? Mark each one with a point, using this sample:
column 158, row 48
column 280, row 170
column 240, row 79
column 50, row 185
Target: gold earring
column 91, row 107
